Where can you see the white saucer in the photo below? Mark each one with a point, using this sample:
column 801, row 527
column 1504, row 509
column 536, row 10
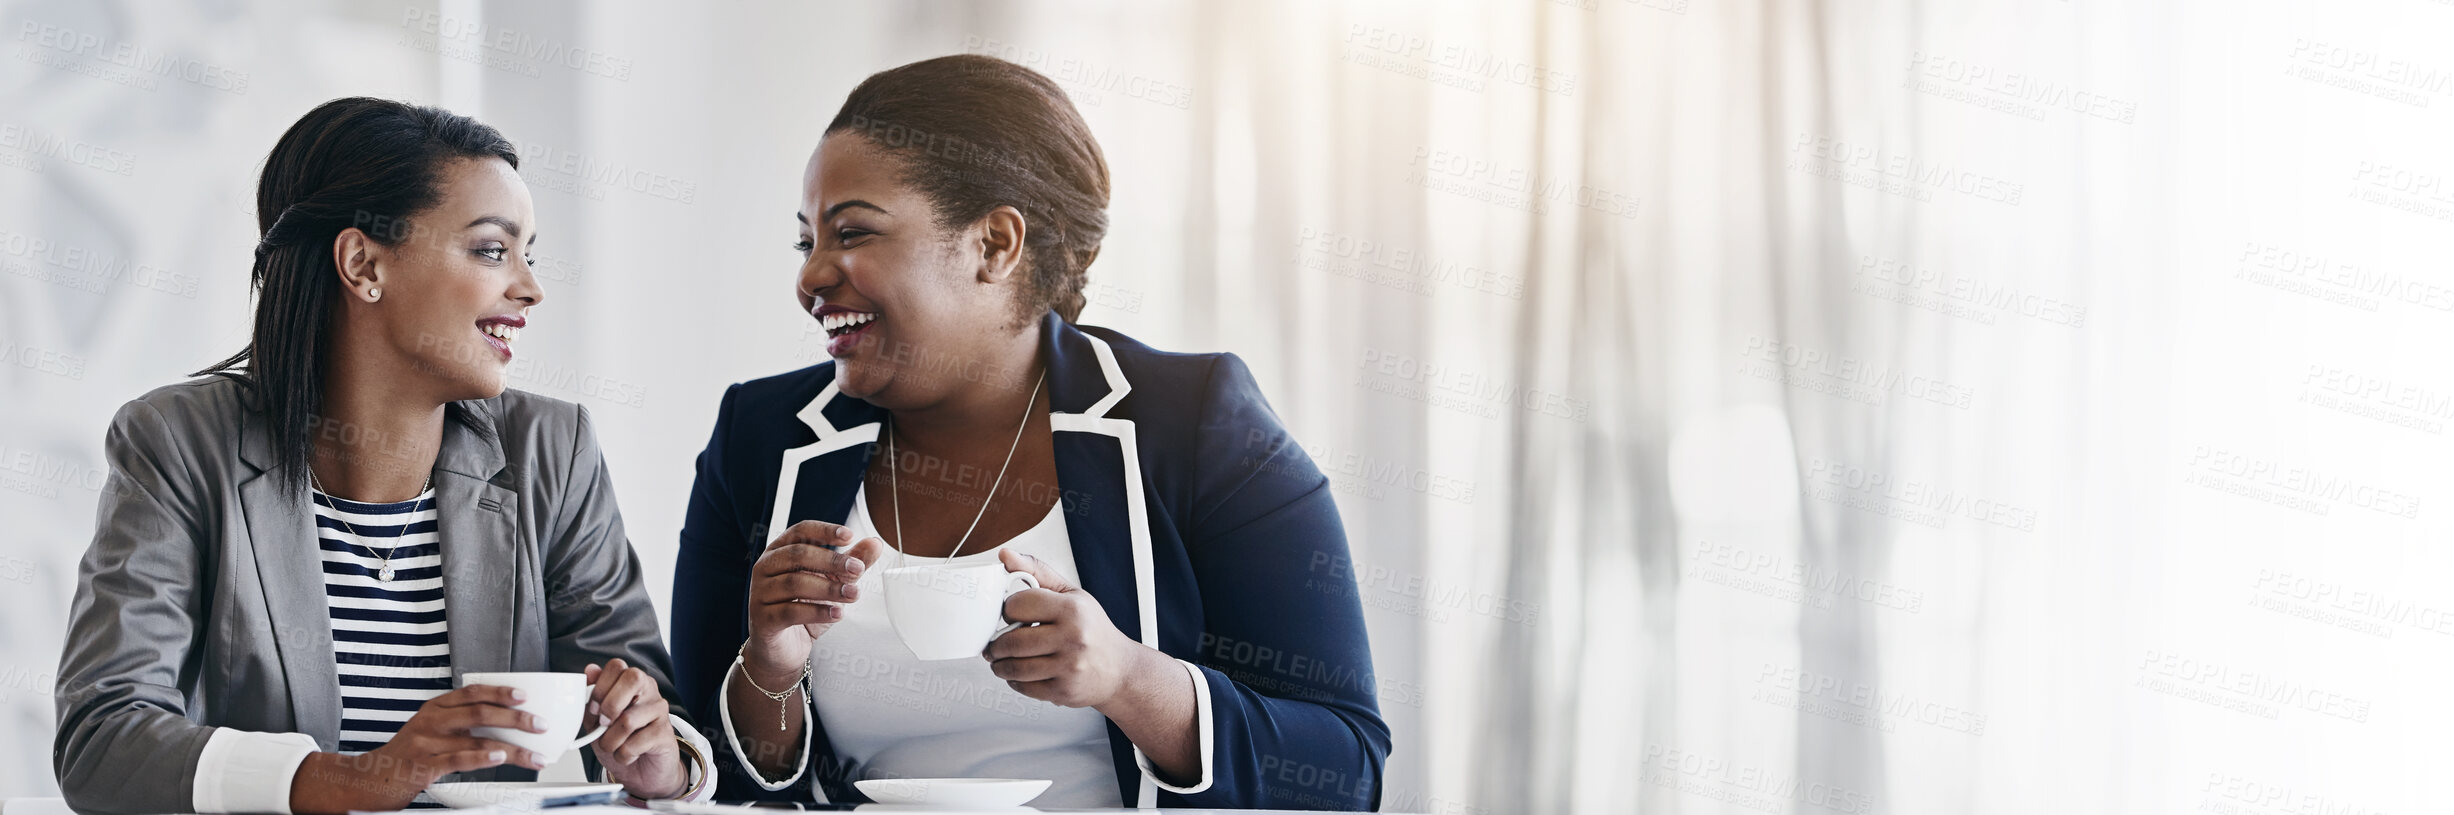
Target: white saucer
column 953, row 792
column 466, row 794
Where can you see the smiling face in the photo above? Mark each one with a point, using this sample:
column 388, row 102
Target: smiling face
column 912, row 310
column 455, row 291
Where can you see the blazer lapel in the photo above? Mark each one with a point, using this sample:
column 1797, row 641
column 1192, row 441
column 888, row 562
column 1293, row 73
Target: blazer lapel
column 486, row 580
column 1095, row 470
column 281, row 534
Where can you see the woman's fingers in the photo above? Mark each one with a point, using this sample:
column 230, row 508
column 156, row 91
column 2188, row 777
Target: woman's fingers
column 626, row 688
column 458, row 720
column 1038, row 606
column 466, row 760
column 1030, row 564
column 779, row 615
column 599, row 690
column 478, row 695
column 1029, row 641
column 634, row 711
column 803, row 587
column 821, row 534
column 866, row 552
column 1027, row 669
column 638, row 730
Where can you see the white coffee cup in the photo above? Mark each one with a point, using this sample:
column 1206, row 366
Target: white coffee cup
column 951, row 612
column 558, row 700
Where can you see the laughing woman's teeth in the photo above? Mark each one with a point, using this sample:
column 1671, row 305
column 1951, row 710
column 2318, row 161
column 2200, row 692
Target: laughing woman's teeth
column 836, row 323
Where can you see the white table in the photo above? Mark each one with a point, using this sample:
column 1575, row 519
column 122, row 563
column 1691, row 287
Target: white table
column 55, row 806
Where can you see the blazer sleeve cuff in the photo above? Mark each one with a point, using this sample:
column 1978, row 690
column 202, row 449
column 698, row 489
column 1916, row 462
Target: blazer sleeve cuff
column 1201, row 703
column 724, row 710
column 242, row 771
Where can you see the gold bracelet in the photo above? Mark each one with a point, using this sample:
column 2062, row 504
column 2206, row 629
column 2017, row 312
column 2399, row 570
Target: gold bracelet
column 740, row 663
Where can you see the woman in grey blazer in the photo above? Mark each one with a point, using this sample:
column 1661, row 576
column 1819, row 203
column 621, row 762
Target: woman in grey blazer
column 241, row 634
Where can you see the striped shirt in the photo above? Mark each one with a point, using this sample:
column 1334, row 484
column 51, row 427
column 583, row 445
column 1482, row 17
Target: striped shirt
column 388, row 638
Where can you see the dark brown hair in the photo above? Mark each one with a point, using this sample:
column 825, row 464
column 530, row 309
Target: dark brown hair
column 354, row 162
column 974, row 133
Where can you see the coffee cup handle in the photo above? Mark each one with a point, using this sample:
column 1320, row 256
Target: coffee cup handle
column 1015, row 583
column 592, row 734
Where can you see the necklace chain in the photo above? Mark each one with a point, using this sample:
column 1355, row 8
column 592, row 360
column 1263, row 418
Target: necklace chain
column 383, row 573
column 895, row 465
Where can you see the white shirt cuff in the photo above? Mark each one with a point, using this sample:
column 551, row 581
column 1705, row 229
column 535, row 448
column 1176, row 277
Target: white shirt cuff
column 701, row 787
column 243, row 771
column 800, row 764
column 1201, row 702
column 702, row 770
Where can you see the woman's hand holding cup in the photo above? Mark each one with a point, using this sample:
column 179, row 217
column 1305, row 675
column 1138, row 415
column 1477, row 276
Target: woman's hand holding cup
column 798, row 589
column 438, row 740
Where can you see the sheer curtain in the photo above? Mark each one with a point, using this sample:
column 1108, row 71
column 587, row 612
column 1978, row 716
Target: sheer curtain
column 1735, row 406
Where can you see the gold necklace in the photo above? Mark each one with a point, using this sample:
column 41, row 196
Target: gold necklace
column 894, row 485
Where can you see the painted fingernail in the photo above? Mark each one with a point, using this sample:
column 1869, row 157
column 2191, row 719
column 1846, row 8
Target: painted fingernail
column 518, row 696
column 495, row 756
column 602, row 720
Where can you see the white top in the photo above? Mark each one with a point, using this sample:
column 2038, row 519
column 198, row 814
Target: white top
column 891, row 715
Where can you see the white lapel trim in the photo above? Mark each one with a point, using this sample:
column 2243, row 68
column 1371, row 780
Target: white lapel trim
column 829, row 440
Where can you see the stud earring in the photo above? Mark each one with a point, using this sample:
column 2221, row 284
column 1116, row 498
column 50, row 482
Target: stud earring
column 373, row 295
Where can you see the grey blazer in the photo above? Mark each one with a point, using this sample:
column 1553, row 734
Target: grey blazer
column 200, row 603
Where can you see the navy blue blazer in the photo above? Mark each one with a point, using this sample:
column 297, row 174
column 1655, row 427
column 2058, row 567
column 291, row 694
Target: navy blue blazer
column 1196, row 520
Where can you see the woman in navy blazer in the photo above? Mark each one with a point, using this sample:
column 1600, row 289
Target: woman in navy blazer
column 1210, row 617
